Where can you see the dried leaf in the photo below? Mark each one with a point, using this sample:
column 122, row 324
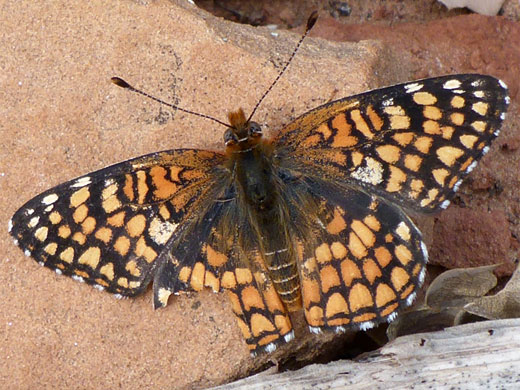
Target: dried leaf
column 456, row 287
column 504, row 304
column 445, row 300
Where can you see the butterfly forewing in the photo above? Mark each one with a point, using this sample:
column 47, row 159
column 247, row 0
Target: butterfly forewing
column 109, row 227
column 411, row 143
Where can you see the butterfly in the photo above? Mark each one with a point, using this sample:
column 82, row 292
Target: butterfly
column 313, row 218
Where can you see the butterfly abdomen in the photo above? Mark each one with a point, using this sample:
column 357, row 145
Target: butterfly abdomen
column 254, row 173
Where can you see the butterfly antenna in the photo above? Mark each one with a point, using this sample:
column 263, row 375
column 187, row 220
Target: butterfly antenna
column 310, row 23
column 123, row 84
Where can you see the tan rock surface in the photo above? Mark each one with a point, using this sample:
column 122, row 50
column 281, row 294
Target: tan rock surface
column 61, row 117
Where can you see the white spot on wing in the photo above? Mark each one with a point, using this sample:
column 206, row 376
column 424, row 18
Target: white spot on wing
column 485, row 150
column 29, row 211
column 367, row 325
column 81, row 182
column 479, row 94
column 314, row 329
column 451, row 84
column 270, row 347
column 58, row 271
column 403, row 231
column 118, row 296
column 476, row 83
column 457, row 185
column 503, row 116
column 99, row 287
column 391, row 317
column 424, row 249
column 340, row 329
column 371, row 173
column 471, row 166
column 458, row 91
column 410, row 299
column 502, row 84
column 50, row 199
column 78, row 278
column 16, row 242
column 445, row 204
column 41, row 263
column 289, row 336
column 422, row 275
column 413, row 87
column 33, row 222
column 161, row 232
column 49, row 208
column 388, row 102
column 10, row 225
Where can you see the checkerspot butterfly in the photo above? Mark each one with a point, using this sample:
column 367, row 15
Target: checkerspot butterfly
column 311, row 218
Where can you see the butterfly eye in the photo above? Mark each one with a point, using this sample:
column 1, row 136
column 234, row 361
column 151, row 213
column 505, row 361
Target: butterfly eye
column 255, row 130
column 230, row 138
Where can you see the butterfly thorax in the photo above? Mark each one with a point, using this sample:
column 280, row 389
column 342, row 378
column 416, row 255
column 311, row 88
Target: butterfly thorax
column 250, row 161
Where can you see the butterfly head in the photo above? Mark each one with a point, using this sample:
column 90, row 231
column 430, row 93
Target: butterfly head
column 242, row 134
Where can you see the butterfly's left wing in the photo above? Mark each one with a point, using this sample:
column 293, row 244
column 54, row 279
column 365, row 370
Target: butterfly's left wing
column 112, row 228
column 411, row 143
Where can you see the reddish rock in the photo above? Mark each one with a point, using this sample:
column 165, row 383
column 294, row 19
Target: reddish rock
column 465, row 238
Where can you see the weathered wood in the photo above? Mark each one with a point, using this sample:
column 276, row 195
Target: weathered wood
column 483, row 355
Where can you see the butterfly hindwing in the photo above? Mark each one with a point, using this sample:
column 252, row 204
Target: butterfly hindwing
column 201, row 254
column 360, row 257
column 109, row 227
column 364, row 261
column 221, row 251
column 411, row 143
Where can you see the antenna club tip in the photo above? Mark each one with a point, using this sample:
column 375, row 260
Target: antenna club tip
column 312, row 20
column 120, row 82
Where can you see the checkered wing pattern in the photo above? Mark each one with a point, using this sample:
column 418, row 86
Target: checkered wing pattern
column 110, row 228
column 350, row 166
column 223, row 251
column 412, row 143
column 362, row 257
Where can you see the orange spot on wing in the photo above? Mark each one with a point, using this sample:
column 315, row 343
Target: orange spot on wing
column 349, row 271
column 164, row 188
column 329, row 278
column 359, row 297
column 128, row 188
